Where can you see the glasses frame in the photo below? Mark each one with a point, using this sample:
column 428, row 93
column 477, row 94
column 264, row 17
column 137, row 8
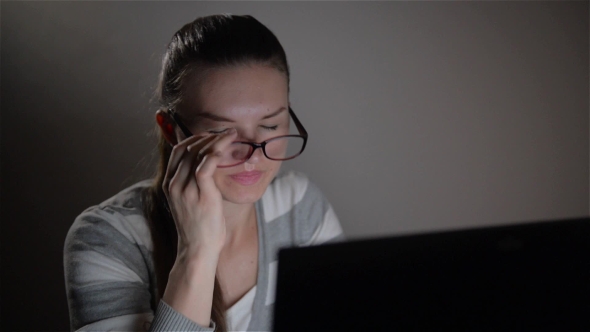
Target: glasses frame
column 262, row 145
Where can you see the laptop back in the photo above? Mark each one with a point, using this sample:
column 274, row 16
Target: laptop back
column 527, row 277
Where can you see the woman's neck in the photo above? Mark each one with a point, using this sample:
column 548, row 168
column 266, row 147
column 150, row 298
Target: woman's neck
column 238, row 218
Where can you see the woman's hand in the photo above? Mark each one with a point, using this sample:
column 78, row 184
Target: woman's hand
column 194, row 199
column 196, row 206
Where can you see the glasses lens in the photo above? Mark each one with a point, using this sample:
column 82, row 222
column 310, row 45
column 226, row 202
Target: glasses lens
column 278, row 148
column 284, row 147
column 235, row 154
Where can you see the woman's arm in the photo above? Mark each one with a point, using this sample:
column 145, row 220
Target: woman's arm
column 190, row 285
column 107, row 273
column 196, row 206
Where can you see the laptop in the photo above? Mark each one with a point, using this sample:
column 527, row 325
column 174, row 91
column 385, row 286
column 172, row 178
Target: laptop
column 525, row 277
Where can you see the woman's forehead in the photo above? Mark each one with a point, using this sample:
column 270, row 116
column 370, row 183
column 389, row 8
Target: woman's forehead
column 236, row 92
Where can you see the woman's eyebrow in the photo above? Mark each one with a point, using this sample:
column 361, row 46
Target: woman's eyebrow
column 218, row 118
column 275, row 113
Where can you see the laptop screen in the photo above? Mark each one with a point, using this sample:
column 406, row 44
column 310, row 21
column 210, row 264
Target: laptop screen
column 527, row 277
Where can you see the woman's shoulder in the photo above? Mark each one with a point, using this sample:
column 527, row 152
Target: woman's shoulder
column 107, row 259
column 287, row 184
column 290, row 190
column 128, row 200
column 118, row 217
column 285, row 191
column 293, row 203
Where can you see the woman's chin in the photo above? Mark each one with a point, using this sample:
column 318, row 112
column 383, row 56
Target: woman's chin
column 246, row 197
column 242, row 194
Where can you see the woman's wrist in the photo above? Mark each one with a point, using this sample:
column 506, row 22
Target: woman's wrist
column 197, row 255
column 190, row 285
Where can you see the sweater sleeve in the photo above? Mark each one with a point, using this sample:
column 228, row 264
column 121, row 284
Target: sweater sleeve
column 107, row 276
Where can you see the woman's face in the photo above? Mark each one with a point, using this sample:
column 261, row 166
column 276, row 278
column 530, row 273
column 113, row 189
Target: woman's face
column 254, row 100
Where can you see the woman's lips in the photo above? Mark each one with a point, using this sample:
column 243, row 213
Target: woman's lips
column 247, row 178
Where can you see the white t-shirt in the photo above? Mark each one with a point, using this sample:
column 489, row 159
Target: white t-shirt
column 238, row 315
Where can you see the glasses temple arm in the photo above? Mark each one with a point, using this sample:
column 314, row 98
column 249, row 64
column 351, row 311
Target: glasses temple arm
column 184, row 129
column 297, row 123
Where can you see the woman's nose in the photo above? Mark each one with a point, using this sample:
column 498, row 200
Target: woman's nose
column 256, row 156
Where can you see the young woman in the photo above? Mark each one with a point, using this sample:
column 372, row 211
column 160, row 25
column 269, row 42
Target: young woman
column 196, row 247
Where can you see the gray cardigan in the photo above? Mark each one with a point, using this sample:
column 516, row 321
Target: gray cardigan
column 109, row 271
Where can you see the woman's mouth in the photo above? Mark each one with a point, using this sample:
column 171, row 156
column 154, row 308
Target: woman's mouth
column 247, row 178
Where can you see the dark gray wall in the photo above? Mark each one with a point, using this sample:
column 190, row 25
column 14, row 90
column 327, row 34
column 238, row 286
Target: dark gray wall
column 422, row 116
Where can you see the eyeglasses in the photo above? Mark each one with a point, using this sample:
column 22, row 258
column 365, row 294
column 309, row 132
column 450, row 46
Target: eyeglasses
column 279, row 148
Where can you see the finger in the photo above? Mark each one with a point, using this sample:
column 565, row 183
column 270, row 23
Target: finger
column 192, row 158
column 204, row 171
column 197, row 153
column 204, row 174
column 178, row 152
column 200, row 149
column 216, row 145
column 185, row 166
column 226, row 138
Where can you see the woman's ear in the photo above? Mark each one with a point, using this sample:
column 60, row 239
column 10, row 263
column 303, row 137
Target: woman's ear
column 166, row 124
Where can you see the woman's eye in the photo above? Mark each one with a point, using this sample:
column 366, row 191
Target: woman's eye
column 221, row 131
column 269, row 127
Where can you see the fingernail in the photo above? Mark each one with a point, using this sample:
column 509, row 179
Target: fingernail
column 231, row 131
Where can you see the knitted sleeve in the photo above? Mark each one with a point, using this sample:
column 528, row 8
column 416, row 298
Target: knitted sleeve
column 108, row 268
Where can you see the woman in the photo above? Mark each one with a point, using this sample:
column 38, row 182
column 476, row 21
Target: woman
column 196, row 247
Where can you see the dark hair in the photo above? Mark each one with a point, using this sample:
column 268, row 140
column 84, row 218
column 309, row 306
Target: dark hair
column 217, row 41
column 207, row 42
